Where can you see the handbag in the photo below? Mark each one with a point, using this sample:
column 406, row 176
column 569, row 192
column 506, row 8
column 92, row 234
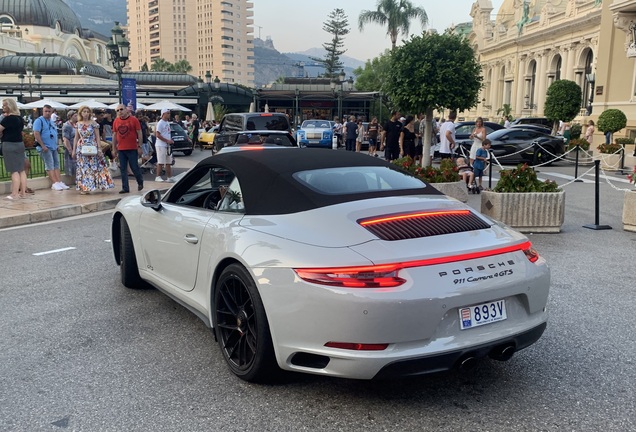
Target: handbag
column 89, row 150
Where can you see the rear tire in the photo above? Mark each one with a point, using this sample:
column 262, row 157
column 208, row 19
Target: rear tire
column 241, row 327
column 541, row 157
column 128, row 268
column 187, row 152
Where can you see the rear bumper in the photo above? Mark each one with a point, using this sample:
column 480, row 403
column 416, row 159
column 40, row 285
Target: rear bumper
column 450, row 360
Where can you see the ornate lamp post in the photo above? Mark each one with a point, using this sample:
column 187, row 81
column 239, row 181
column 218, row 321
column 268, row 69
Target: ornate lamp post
column 30, row 77
column 591, row 78
column 211, row 86
column 118, row 53
column 340, row 84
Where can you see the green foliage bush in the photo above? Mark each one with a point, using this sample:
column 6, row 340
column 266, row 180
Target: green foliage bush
column 611, row 120
column 523, row 179
column 562, row 100
column 447, row 171
column 581, row 142
column 609, row 148
column 575, row 130
column 624, row 141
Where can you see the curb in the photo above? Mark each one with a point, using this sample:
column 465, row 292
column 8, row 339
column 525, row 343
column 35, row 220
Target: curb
column 57, row 213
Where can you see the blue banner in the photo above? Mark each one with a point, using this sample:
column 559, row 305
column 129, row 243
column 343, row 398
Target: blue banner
column 129, row 93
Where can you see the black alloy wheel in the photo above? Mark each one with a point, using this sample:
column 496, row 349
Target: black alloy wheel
column 542, row 157
column 128, row 261
column 242, row 328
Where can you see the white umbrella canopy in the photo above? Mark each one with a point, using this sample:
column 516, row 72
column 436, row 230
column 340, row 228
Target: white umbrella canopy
column 91, row 103
column 21, row 105
column 252, row 107
column 140, row 106
column 209, row 114
column 266, row 107
column 42, row 102
column 166, row 104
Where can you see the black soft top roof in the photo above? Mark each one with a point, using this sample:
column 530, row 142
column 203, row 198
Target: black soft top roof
column 268, row 187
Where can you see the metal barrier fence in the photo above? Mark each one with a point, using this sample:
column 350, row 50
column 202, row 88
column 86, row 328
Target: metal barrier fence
column 37, row 164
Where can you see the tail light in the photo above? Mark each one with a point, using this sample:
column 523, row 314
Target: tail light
column 357, row 346
column 386, row 275
column 380, row 276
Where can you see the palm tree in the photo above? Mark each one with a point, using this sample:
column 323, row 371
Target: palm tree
column 160, row 65
column 396, row 15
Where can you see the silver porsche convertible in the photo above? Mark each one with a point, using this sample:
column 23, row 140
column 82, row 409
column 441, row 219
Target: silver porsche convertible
column 333, row 263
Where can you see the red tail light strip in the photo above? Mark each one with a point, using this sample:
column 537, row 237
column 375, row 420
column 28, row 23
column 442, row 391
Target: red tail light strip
column 357, row 346
column 386, row 275
column 414, row 216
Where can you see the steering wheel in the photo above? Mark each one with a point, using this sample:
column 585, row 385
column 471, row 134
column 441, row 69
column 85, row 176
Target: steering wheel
column 211, row 200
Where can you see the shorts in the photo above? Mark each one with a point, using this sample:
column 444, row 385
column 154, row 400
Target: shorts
column 479, row 172
column 163, row 157
column 51, row 160
column 373, row 142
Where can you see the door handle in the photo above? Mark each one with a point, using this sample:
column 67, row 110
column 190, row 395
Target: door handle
column 191, row 238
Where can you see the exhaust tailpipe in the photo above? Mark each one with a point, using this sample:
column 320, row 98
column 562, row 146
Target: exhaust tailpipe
column 502, row 353
column 467, row 363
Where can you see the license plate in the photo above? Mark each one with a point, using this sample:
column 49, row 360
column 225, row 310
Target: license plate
column 178, row 138
column 482, row 314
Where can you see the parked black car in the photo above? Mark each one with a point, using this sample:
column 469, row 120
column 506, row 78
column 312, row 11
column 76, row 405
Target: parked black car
column 233, row 124
column 261, row 139
column 182, row 142
column 518, row 145
column 465, row 128
column 538, row 128
column 543, row 121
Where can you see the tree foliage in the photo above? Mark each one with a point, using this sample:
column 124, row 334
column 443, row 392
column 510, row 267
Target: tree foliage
column 162, row 65
column 337, row 25
column 373, row 74
column 611, row 120
column 396, row 15
column 563, row 101
column 433, row 71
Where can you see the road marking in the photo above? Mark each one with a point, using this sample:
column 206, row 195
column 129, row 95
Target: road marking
column 53, row 251
column 566, row 176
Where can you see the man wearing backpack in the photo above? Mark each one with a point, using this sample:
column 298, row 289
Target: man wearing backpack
column 45, row 133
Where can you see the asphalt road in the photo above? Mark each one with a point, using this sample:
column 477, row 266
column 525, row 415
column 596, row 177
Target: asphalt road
column 80, row 352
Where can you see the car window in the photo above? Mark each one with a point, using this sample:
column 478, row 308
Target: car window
column 232, row 123
column 232, row 199
column 174, row 127
column 489, row 130
column 265, row 122
column 464, row 130
column 203, row 187
column 350, row 180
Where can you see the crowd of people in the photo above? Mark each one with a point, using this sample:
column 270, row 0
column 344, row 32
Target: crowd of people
column 94, row 145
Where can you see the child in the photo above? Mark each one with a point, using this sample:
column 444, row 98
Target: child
column 480, row 160
column 465, row 172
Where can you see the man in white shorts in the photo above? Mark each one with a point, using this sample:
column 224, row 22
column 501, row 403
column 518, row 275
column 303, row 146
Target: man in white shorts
column 162, row 144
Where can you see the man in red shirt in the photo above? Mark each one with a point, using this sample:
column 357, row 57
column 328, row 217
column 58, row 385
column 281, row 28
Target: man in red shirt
column 127, row 141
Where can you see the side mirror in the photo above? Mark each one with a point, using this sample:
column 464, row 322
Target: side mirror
column 152, row 199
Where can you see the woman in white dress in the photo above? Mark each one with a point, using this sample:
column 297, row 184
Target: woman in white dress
column 478, row 135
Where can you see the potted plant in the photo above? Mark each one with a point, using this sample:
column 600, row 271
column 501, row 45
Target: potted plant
column 444, row 178
column 525, row 203
column 609, row 122
column 629, row 205
column 584, row 157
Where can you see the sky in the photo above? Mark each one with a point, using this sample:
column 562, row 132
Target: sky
column 296, row 25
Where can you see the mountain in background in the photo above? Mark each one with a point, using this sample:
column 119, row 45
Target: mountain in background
column 270, row 64
column 99, row 15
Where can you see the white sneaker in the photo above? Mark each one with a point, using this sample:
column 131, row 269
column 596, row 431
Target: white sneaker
column 170, row 180
column 159, row 179
column 63, row 185
column 57, row 187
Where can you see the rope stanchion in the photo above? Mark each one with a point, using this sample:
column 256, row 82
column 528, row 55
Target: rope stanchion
column 597, row 194
column 489, row 170
column 576, row 166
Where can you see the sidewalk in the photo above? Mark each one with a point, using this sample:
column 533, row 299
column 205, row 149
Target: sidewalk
column 47, row 204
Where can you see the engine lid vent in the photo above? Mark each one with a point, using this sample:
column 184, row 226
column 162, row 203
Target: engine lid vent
column 423, row 224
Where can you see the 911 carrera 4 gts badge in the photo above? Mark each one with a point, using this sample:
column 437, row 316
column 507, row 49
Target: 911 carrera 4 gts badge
column 500, row 265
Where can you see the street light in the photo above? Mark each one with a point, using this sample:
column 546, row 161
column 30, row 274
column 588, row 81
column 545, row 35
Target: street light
column 30, row 77
column 591, row 78
column 341, row 83
column 118, row 53
column 207, row 87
